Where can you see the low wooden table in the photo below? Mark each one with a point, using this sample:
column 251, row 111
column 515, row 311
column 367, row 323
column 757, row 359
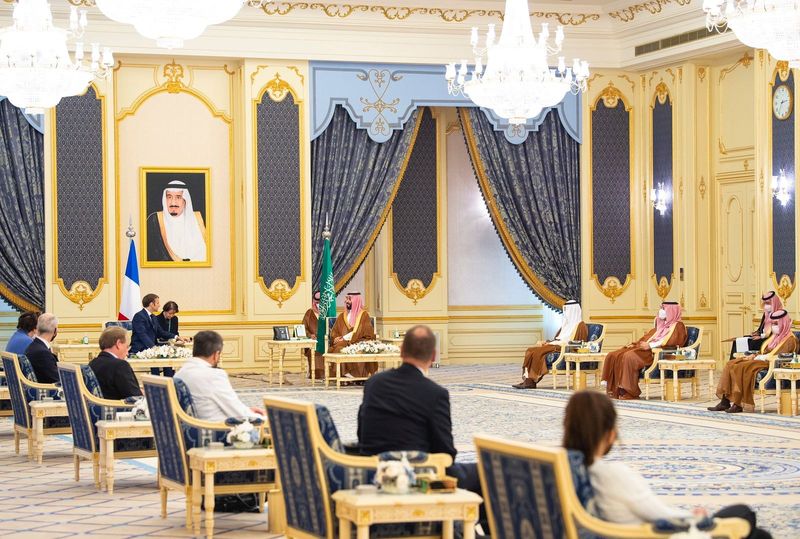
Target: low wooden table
column 39, row 411
column 388, row 360
column 676, row 365
column 364, row 510
column 792, row 375
column 107, row 432
column 206, row 462
column 156, row 363
column 579, row 358
column 282, row 346
column 79, row 353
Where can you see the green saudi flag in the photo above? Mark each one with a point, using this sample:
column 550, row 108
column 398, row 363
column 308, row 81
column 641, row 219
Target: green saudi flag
column 327, row 296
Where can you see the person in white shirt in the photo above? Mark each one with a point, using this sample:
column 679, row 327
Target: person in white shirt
column 622, row 495
column 212, row 393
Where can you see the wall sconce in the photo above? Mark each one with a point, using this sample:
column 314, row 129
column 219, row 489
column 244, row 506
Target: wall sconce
column 660, row 198
column 782, row 188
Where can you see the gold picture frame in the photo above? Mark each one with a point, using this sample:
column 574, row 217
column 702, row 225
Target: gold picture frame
column 157, row 216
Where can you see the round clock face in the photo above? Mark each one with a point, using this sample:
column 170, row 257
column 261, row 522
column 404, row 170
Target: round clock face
column 782, row 102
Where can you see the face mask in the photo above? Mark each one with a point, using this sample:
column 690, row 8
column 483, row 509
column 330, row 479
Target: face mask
column 776, row 329
column 662, row 314
column 767, row 308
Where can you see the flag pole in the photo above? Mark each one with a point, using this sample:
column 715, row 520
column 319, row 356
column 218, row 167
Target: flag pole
column 327, row 292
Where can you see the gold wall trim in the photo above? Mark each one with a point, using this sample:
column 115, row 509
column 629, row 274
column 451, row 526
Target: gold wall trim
column 18, row 301
column 80, row 292
column 744, row 61
column 131, row 111
column 611, row 287
column 415, row 289
column 536, row 307
column 277, row 89
column 511, row 248
column 627, row 14
column 371, row 241
column 649, row 318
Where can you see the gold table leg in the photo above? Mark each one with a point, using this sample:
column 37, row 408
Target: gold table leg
column 271, row 352
column 102, row 464
column 209, row 505
column 280, row 367
column 676, row 388
column 38, row 437
column 469, row 527
column 793, row 392
column 344, row 528
column 197, row 497
column 110, row 465
column 447, row 529
column 338, row 375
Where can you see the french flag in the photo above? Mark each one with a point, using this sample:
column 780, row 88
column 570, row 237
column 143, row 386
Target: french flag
column 131, row 302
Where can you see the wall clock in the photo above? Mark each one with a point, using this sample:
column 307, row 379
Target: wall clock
column 782, row 102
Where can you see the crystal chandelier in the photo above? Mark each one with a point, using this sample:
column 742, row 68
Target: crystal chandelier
column 36, row 70
column 660, row 198
column 762, row 24
column 782, row 188
column 518, row 82
column 171, row 22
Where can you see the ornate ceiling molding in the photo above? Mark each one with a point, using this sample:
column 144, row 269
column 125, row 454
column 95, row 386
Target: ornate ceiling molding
column 653, row 7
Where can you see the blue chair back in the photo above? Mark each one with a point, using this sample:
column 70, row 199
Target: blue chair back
column 126, row 324
column 328, row 428
column 594, row 333
column 83, row 430
column 19, row 405
column 294, row 428
column 184, row 397
column 692, row 333
column 161, row 400
column 520, row 490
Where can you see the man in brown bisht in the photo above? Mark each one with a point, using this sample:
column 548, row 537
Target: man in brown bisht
column 621, row 367
column 310, row 322
column 737, row 383
column 572, row 329
column 353, row 326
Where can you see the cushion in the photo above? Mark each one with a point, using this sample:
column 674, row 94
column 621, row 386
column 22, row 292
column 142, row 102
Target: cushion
column 328, row 428
column 581, row 481
column 26, row 368
column 184, row 397
column 551, row 358
column 90, row 380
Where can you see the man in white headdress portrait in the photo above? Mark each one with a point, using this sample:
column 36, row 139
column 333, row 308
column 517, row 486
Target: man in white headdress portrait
column 177, row 233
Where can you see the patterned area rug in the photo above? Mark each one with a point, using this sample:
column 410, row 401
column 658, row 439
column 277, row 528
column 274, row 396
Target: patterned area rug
column 691, row 456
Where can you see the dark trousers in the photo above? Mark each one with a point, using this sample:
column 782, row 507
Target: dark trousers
column 168, row 371
column 468, row 479
column 743, row 511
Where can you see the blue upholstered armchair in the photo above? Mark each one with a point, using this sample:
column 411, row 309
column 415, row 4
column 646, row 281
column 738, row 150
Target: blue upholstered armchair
column 170, row 404
column 312, row 466
column 555, row 360
column 86, row 406
column 765, row 382
column 651, row 374
column 23, row 389
column 542, row 492
column 127, row 325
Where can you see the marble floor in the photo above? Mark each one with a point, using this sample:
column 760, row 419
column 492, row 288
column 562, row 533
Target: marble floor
column 692, row 457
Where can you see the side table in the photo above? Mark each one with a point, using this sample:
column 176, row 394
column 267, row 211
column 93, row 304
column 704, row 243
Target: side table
column 676, row 365
column 205, row 462
column 579, row 358
column 792, row 375
column 39, row 411
column 281, row 347
column 388, row 360
column 107, row 432
column 364, row 510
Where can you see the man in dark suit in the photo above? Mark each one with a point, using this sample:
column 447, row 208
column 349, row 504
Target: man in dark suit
column 403, row 410
column 113, row 373
column 146, row 330
column 42, row 359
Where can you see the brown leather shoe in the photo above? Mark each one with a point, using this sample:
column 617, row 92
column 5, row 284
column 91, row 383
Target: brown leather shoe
column 723, row 405
column 628, row 397
column 734, row 409
column 527, row 384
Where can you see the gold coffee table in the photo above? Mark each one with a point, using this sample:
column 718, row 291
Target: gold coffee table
column 39, row 411
column 107, row 432
column 579, row 358
column 281, row 347
column 792, row 375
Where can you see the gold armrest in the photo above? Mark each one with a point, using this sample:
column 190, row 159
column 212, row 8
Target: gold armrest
column 37, row 385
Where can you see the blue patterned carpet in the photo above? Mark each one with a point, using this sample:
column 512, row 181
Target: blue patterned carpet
column 691, row 456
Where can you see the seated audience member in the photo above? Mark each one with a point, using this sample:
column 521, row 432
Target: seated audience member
column 168, row 318
column 113, row 372
column 310, row 321
column 212, row 393
column 23, row 337
column 403, row 410
column 353, row 326
column 622, row 495
column 621, row 367
column 770, row 302
column 42, row 359
column 147, row 332
column 737, row 382
column 572, row 329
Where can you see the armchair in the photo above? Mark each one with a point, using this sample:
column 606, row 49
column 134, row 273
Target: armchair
column 23, row 389
column 682, row 370
column 557, row 364
column 549, row 492
column 312, row 465
column 765, row 381
column 651, row 374
column 86, row 406
column 176, row 431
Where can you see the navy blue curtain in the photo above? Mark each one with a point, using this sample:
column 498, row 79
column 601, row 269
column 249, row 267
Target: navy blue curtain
column 21, row 210
column 353, row 181
column 533, row 194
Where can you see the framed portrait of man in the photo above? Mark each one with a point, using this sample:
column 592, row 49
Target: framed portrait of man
column 175, row 214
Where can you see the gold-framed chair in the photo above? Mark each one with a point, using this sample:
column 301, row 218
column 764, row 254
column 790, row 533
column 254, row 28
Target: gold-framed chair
column 694, row 337
column 85, row 408
column 23, row 389
column 176, row 431
column 765, row 381
column 543, row 485
column 596, row 333
column 311, row 459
